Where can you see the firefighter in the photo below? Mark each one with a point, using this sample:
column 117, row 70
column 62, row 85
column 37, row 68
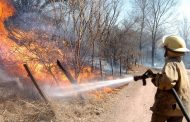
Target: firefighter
column 173, row 75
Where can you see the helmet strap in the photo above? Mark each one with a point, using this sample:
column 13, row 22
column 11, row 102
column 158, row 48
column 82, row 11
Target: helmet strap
column 166, row 49
column 176, row 53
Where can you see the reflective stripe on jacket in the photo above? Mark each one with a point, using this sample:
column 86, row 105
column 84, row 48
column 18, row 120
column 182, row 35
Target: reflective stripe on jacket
column 173, row 75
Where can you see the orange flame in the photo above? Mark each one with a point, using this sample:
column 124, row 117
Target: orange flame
column 6, row 10
column 7, row 46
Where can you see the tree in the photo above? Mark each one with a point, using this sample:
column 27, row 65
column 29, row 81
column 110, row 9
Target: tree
column 143, row 12
column 184, row 30
column 159, row 15
column 86, row 28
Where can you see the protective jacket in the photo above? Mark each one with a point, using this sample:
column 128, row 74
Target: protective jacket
column 173, row 75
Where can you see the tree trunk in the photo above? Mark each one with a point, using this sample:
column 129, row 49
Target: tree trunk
column 147, row 56
column 140, row 43
column 92, row 65
column 101, row 67
column 127, row 61
column 112, row 67
column 153, row 52
column 120, row 66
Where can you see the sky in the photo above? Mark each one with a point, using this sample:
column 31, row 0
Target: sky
column 183, row 9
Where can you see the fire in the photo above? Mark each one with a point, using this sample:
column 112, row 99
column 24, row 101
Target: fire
column 44, row 71
column 101, row 94
column 39, row 69
column 6, row 10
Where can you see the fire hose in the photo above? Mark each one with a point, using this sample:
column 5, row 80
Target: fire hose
column 150, row 74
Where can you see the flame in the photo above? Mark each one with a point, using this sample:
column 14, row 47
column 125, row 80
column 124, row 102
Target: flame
column 22, row 54
column 101, row 93
column 8, row 46
column 6, row 10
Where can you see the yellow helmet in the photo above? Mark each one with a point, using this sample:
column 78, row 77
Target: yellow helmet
column 174, row 43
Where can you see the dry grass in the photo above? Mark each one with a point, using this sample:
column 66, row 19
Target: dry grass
column 24, row 111
column 91, row 109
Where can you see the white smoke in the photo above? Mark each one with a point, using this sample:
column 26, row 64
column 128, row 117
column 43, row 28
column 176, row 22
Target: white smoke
column 6, row 79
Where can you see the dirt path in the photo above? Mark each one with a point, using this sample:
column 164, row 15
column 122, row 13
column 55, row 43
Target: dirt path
column 134, row 102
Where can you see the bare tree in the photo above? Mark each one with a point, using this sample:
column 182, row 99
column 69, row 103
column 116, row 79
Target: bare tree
column 86, row 24
column 143, row 12
column 184, row 30
column 160, row 13
column 111, row 13
column 122, row 46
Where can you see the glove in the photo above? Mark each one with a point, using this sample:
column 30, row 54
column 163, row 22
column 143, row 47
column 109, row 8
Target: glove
column 148, row 74
column 153, row 80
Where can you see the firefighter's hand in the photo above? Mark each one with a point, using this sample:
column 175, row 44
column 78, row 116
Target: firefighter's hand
column 148, row 74
column 153, row 80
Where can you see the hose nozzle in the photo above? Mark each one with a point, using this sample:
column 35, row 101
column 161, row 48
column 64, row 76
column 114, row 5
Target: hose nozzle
column 147, row 74
column 136, row 78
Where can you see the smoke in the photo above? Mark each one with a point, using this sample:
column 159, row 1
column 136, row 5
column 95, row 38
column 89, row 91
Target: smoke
column 59, row 92
column 6, row 79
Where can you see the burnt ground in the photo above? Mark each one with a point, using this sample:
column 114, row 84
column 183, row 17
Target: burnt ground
column 130, row 103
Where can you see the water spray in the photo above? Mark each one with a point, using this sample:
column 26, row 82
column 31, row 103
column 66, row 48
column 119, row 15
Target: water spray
column 87, row 87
